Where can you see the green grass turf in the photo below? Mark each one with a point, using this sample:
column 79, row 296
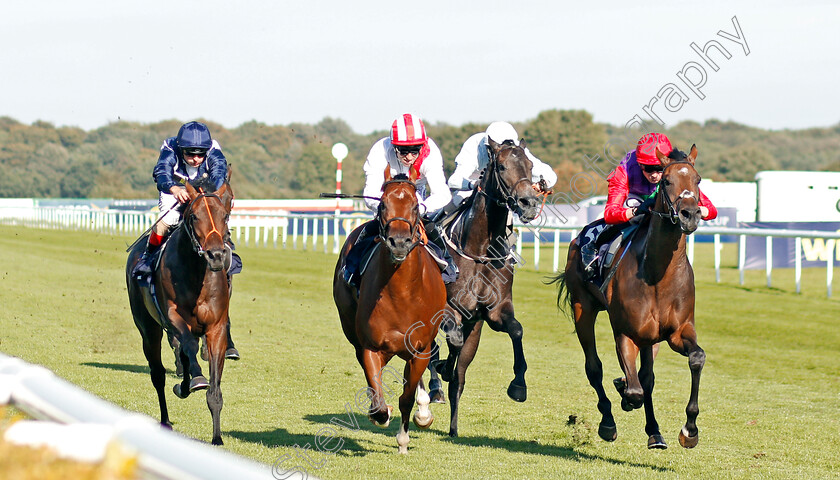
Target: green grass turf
column 769, row 395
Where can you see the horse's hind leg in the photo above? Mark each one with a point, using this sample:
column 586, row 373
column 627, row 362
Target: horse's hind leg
column 456, row 385
column 176, row 349
column 585, row 329
column 435, row 389
column 217, row 344
column 646, row 377
column 152, row 334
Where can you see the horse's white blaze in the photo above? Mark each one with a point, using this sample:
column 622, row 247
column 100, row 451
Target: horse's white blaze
column 683, row 170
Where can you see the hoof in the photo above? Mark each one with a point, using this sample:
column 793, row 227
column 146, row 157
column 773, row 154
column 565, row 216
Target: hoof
column 657, row 442
column 620, row 385
column 436, row 396
column 166, row 425
column 518, row 393
column 687, row 441
column 387, row 422
column 453, row 432
column 232, row 354
column 607, row 432
column 424, row 423
column 177, row 390
column 217, row 441
column 625, row 405
column 198, row 383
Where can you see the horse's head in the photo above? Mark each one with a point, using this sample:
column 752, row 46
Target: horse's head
column 206, row 221
column 399, row 214
column 509, row 179
column 679, row 189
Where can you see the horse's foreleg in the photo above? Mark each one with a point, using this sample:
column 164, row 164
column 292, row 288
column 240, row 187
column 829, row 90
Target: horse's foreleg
column 585, row 329
column 456, row 386
column 686, row 344
column 216, row 345
column 413, row 373
column 627, row 351
column 517, row 390
column 646, row 378
column 379, row 412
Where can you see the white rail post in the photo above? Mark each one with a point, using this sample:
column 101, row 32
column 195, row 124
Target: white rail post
column 717, row 257
column 556, row 263
column 742, row 255
column 829, row 265
column 305, row 222
column 537, row 249
column 768, row 259
column 294, row 233
column 798, row 263
column 691, row 249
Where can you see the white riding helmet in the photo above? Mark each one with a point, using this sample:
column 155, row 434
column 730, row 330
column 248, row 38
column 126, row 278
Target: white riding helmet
column 501, row 131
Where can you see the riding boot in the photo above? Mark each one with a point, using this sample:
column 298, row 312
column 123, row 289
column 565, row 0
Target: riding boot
column 589, row 256
column 450, row 271
column 350, row 270
column 144, row 263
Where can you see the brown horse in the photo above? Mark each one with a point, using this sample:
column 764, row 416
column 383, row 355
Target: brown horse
column 399, row 294
column 650, row 299
column 191, row 298
column 480, row 248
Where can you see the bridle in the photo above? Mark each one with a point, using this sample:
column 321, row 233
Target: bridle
column 508, row 199
column 190, row 228
column 415, row 225
column 673, row 207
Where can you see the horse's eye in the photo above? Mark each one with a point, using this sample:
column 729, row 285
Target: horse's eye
column 193, row 217
column 665, row 182
column 502, row 168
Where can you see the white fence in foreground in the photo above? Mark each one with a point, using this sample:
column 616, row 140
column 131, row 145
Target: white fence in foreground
column 160, row 453
column 326, row 230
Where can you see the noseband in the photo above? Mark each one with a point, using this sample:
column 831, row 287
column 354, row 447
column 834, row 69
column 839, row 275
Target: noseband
column 415, row 225
column 188, row 223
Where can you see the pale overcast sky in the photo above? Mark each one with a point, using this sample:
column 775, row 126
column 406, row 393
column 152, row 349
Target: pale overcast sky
column 87, row 62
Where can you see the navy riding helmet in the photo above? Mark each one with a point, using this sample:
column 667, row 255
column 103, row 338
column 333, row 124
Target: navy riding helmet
column 194, row 135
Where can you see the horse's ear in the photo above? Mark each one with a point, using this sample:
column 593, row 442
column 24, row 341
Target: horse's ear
column 387, row 173
column 663, row 159
column 692, row 155
column 413, row 174
column 522, row 144
column 494, row 147
column 229, row 170
column 191, row 190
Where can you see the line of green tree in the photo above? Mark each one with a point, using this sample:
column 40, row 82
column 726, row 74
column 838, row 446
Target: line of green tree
column 294, row 161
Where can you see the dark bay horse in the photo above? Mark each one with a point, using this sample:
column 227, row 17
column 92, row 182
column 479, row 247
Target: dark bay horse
column 483, row 292
column 193, row 294
column 400, row 293
column 649, row 299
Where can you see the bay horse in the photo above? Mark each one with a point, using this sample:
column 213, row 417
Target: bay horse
column 649, row 299
column 191, row 298
column 483, row 291
column 400, row 292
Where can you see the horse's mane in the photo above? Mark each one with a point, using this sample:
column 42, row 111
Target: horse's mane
column 677, row 154
column 205, row 183
column 400, row 176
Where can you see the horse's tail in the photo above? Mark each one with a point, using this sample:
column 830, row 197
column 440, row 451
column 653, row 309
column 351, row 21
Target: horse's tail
column 564, row 296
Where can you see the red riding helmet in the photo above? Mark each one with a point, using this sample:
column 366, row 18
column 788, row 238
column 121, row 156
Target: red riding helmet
column 408, row 129
column 646, row 148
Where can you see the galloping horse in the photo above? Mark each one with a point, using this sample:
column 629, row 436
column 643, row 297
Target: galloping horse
column 483, row 291
column 650, row 299
column 190, row 299
column 400, row 293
